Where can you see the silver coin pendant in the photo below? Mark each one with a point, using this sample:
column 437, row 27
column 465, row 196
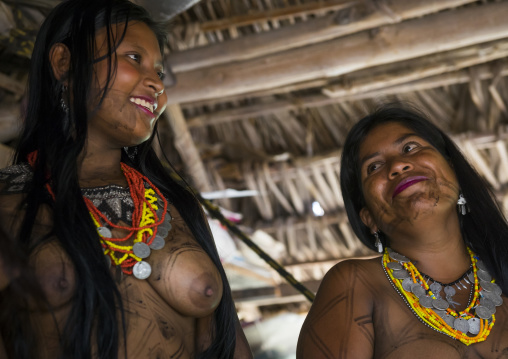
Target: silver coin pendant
column 483, row 312
column 461, row 324
column 435, row 288
column 481, row 266
column 426, row 301
column 484, row 275
column 394, row 266
column 418, row 290
column 141, row 249
column 105, row 232
column 142, row 270
column 449, row 290
column 489, row 304
column 440, row 303
column 450, row 320
column 474, row 325
column 157, row 243
column 407, row 283
column 400, row 274
column 496, row 299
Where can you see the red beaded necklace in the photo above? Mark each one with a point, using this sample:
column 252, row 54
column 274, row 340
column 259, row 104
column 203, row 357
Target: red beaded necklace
column 145, row 219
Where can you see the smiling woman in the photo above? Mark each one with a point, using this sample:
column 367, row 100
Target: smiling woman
column 103, row 254
column 439, row 287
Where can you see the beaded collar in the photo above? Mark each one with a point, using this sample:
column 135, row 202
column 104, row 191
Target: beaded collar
column 114, row 201
column 472, row 325
column 17, row 178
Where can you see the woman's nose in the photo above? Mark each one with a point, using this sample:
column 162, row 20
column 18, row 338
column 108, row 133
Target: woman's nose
column 399, row 166
column 155, row 82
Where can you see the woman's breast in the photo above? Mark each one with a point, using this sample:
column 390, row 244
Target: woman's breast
column 55, row 274
column 183, row 274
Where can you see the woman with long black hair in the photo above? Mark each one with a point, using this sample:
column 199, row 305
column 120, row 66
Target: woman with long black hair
column 114, row 259
column 439, row 288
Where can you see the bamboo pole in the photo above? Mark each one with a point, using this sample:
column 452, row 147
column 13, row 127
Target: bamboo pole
column 187, row 149
column 409, row 39
column 362, row 16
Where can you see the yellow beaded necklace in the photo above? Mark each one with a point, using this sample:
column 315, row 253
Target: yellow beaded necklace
column 429, row 316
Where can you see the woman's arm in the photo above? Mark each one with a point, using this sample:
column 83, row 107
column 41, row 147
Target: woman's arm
column 242, row 349
column 339, row 323
column 203, row 338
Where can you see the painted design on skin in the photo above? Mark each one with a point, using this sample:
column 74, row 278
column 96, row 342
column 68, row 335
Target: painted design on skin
column 363, row 322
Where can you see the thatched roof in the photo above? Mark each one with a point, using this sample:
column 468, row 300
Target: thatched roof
column 266, row 91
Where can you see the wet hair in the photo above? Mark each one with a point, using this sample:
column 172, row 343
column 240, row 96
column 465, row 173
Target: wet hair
column 59, row 137
column 484, row 227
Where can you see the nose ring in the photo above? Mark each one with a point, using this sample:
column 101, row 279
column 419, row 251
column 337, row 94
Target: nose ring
column 159, row 93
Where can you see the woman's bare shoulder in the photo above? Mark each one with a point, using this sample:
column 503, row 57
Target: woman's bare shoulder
column 355, row 267
column 361, row 276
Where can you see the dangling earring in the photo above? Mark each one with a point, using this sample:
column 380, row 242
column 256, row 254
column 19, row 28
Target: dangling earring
column 131, row 152
column 462, row 203
column 378, row 244
column 63, row 105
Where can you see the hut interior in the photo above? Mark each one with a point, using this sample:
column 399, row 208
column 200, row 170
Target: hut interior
column 262, row 95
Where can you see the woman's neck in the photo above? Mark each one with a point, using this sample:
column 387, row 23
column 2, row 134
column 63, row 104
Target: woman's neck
column 436, row 248
column 101, row 168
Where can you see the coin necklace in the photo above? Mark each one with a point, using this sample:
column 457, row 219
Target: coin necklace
column 472, row 325
column 150, row 226
column 449, row 290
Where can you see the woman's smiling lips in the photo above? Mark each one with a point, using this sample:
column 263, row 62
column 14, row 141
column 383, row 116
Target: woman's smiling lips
column 407, row 182
column 144, row 103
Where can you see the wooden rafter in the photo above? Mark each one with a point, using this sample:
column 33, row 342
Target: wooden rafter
column 406, row 40
column 363, row 15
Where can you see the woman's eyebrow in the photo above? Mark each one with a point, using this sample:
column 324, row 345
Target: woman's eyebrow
column 402, row 138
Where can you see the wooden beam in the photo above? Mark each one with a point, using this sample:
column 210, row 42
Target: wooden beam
column 275, row 91
column 246, row 112
column 403, row 72
column 187, row 149
column 277, row 14
column 11, row 85
column 362, row 16
column 410, row 39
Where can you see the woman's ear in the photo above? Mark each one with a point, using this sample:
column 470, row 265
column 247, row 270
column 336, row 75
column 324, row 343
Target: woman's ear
column 367, row 219
column 60, row 60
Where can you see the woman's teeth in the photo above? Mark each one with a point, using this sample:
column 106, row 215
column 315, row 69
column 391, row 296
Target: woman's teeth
column 144, row 103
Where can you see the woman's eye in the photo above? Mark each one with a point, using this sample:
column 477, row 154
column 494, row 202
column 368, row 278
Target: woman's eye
column 135, row 57
column 161, row 74
column 372, row 167
column 408, row 147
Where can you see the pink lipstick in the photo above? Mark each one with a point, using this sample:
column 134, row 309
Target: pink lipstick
column 407, row 182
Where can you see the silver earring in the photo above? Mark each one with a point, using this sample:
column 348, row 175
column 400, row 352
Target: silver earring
column 378, row 243
column 462, row 203
column 63, row 105
column 131, row 152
